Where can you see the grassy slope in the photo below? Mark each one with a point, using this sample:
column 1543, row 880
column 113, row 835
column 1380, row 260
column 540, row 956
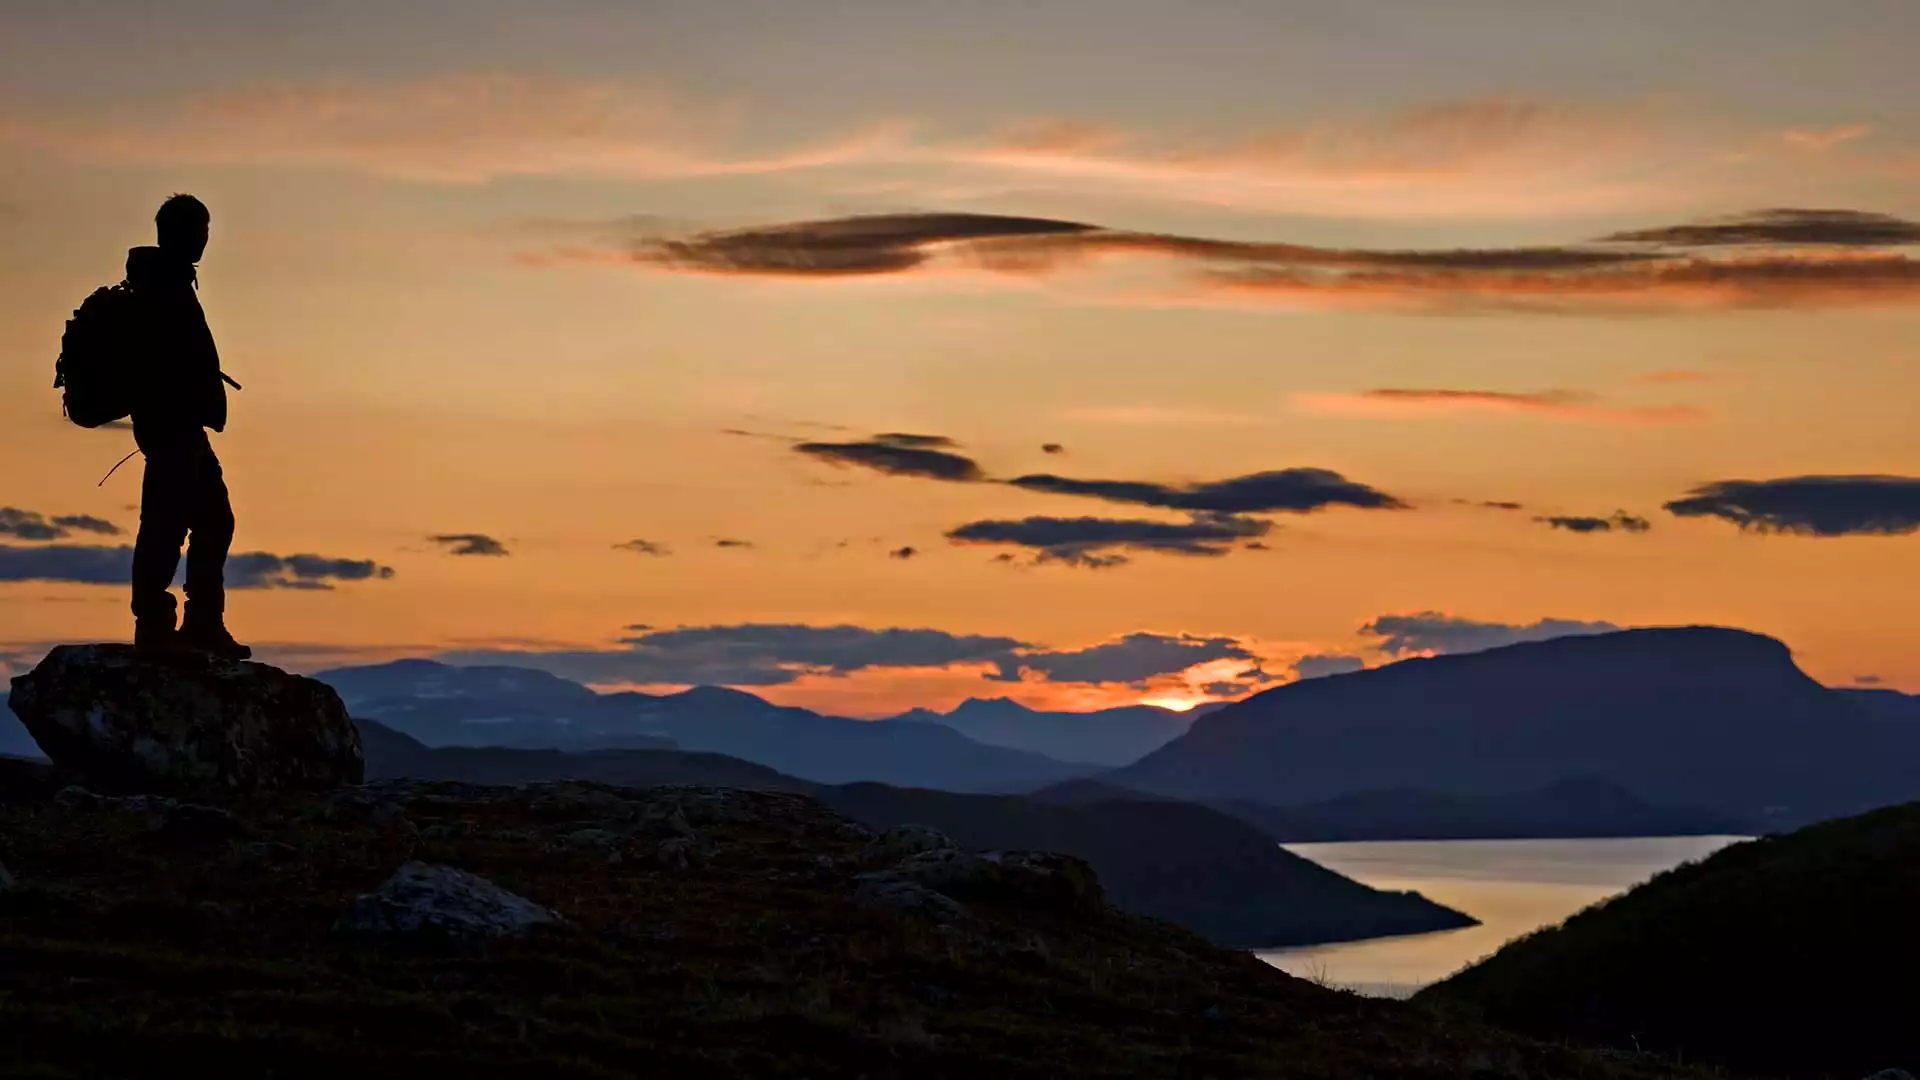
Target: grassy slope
column 130, row 952
column 1793, row 954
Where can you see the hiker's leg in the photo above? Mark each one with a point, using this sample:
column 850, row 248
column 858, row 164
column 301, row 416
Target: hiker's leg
column 166, row 493
column 212, row 531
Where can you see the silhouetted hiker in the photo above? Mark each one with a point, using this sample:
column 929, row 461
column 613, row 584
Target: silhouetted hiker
column 178, row 394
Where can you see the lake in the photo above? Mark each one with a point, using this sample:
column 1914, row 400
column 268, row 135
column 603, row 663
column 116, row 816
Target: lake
column 1511, row 886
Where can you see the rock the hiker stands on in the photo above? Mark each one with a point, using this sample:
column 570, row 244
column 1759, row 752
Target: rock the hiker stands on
column 185, row 724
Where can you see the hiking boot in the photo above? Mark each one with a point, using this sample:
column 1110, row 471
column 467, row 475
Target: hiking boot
column 156, row 640
column 213, row 640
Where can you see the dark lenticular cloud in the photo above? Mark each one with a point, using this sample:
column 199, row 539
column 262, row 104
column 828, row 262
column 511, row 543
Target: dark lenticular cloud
column 1826, row 228
column 1671, row 268
column 1620, row 520
column 907, row 552
column 643, row 547
column 1293, row 491
column 469, row 544
column 1810, row 505
column 1098, row 542
column 874, row 244
column 886, row 454
column 89, row 565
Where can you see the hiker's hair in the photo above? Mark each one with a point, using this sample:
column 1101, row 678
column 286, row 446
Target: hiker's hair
column 181, row 209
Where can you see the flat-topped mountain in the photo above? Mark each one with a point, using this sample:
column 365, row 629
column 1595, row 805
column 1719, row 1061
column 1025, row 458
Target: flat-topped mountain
column 1692, row 716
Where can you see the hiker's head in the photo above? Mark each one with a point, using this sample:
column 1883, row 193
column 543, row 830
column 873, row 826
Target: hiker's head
column 182, row 225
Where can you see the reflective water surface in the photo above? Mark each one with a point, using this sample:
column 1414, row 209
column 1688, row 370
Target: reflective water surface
column 1511, row 886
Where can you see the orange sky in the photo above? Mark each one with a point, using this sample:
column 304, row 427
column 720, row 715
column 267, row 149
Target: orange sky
column 467, row 269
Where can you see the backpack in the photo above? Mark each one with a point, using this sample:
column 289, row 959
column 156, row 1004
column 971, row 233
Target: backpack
column 94, row 372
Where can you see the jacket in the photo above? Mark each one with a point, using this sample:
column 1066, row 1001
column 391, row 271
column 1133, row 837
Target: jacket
column 180, row 387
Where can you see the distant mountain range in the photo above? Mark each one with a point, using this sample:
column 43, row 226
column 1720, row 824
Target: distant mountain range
column 1108, row 737
column 1205, row 870
column 442, row 705
column 1695, row 717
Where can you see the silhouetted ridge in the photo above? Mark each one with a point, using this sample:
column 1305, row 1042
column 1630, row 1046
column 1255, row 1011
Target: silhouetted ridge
column 1687, row 716
column 1786, row 956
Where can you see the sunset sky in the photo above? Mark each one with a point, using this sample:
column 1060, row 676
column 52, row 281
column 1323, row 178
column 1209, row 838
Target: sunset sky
column 885, row 353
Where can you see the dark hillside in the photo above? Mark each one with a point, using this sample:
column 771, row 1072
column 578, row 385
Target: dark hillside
column 1791, row 955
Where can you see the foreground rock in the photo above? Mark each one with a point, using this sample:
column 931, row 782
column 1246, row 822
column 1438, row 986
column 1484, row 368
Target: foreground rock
column 755, row 958
column 189, row 724
column 434, row 905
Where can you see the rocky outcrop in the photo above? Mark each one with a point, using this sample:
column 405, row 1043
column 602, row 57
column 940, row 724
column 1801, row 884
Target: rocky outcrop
column 424, row 904
column 185, row 724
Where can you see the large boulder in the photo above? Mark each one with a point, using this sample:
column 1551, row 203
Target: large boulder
column 185, row 724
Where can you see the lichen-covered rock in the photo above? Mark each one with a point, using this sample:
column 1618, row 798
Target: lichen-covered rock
column 1032, row 879
column 903, row 840
column 185, row 724
column 427, row 904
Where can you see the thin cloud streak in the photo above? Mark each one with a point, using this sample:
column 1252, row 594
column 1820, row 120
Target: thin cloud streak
column 1396, row 402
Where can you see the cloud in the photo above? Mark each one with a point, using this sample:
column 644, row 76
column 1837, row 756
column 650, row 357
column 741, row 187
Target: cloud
column 1096, row 542
column 1293, row 491
column 1435, row 632
column 441, row 129
column 643, row 547
column 1134, row 658
column 1817, row 228
column 1052, row 448
column 1554, row 404
column 1620, row 520
column 1502, row 504
column 754, row 654
column 732, row 543
column 1820, row 140
column 1868, row 680
column 262, row 570
column 87, row 523
column 1320, row 665
column 898, row 455
column 1825, row 268
column 469, row 544
column 903, row 552
column 32, row 525
column 1477, row 157
column 1810, row 505
column 89, row 565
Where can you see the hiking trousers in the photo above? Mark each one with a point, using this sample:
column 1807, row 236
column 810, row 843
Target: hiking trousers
column 182, row 493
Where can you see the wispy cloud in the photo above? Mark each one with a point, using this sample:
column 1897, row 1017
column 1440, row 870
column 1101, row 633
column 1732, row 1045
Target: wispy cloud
column 442, row 129
column 1570, row 405
column 644, row 547
column 33, row 525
